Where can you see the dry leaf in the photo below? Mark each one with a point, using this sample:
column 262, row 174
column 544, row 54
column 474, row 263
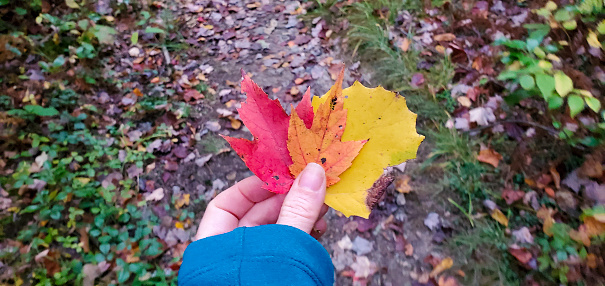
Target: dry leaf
column 445, row 264
column 447, row 37
column 521, row 253
column 500, row 217
column 489, row 156
column 402, row 184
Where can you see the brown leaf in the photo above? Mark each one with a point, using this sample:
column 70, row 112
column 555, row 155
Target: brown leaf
column 592, row 167
column 489, row 156
column 445, row 264
column 405, row 45
column 555, row 176
column 581, row 235
column 521, row 253
column 402, row 184
column 84, row 239
column 447, row 37
column 511, row 196
column 192, row 95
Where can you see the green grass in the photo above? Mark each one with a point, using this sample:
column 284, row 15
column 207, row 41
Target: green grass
column 481, row 252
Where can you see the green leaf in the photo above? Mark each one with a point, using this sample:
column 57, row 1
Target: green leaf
column 134, row 39
column 20, row 11
column 555, row 102
column 154, row 30
column 72, row 4
column 563, row 15
column 59, row 61
column 104, row 248
column 546, row 84
column 563, row 83
column 576, row 105
column 515, row 44
column 104, row 34
column 570, row 25
column 539, row 52
column 601, row 28
column 123, row 275
column 41, row 111
column 4, row 2
column 593, row 103
column 527, row 82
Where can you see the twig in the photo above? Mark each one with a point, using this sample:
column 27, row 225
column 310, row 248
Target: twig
column 533, row 124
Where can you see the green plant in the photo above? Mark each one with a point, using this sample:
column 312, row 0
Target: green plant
column 531, row 64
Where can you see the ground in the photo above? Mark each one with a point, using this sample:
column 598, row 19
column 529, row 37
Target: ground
column 112, row 112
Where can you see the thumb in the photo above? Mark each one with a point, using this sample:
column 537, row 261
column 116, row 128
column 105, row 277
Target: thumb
column 303, row 203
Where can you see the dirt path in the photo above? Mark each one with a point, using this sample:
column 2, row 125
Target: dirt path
column 283, row 55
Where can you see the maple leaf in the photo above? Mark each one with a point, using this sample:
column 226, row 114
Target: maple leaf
column 267, row 155
column 382, row 118
column 321, row 142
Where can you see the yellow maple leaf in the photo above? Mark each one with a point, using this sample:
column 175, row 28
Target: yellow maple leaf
column 383, row 118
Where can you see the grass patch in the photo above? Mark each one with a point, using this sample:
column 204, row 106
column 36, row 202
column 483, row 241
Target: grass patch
column 482, row 253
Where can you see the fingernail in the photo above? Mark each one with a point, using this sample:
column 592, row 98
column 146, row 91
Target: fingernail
column 312, row 177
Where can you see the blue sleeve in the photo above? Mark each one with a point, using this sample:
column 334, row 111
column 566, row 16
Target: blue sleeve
column 262, row 255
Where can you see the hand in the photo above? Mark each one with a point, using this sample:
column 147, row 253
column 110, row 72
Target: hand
column 248, row 204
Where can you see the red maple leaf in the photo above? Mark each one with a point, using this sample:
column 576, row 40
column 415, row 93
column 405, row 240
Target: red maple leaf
column 267, row 155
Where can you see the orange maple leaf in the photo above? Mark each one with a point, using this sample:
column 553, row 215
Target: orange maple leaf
column 321, row 142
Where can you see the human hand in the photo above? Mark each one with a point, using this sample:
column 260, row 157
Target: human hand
column 248, row 204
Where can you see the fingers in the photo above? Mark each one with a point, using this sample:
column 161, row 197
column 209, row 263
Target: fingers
column 224, row 212
column 265, row 212
column 305, row 200
column 319, row 228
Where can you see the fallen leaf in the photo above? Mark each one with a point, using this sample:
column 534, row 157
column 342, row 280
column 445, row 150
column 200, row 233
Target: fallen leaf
column 445, row 264
column 192, row 95
column 511, row 196
column 447, row 281
column 182, row 201
column 409, row 249
column 489, row 156
column 402, row 184
column 447, row 37
column 549, row 191
column 546, row 214
column 591, row 260
column 156, row 195
column 521, row 253
column 499, row 217
column 321, row 142
column 581, row 235
column 363, row 267
column 523, row 235
column 405, row 44
column 417, row 80
column 382, row 118
column 267, row 155
column 482, row 115
column 555, row 176
column 594, row 227
column 432, row 221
